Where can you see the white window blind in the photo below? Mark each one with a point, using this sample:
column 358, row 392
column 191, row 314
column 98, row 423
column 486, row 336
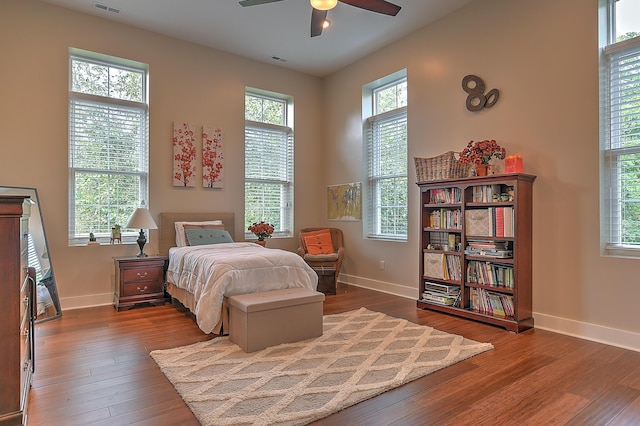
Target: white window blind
column 387, row 169
column 108, row 150
column 622, row 144
column 269, row 176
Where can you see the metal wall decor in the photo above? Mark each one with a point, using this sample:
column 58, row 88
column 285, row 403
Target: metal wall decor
column 474, row 86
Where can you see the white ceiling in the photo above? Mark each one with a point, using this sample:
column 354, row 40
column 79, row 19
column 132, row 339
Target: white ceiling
column 278, row 29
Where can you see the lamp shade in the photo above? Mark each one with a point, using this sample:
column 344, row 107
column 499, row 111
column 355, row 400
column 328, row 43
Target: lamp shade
column 141, row 219
column 324, row 4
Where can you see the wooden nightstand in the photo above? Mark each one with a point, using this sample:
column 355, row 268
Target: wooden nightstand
column 139, row 280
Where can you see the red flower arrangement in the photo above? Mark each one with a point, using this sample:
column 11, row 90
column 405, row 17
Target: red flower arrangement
column 481, row 152
column 261, row 230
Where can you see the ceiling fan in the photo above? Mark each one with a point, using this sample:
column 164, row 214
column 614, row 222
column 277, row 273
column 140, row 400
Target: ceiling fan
column 321, row 7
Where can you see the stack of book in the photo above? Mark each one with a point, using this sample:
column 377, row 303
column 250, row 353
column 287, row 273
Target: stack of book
column 499, row 249
column 442, row 294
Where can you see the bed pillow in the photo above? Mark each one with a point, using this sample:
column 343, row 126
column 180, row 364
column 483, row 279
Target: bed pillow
column 318, row 242
column 201, row 236
column 181, row 239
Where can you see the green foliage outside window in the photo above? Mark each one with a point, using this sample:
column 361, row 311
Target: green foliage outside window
column 268, row 163
column 108, row 146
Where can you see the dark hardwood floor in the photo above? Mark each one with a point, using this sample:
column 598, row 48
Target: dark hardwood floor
column 93, row 368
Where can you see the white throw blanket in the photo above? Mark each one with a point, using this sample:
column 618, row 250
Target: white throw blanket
column 211, row 272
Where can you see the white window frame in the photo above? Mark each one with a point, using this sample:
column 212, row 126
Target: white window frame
column 260, row 136
column 613, row 151
column 79, row 101
column 374, row 178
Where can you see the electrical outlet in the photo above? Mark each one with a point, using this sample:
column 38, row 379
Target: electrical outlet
column 381, row 264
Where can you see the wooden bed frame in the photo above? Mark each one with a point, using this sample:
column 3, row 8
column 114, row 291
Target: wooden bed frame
column 168, row 231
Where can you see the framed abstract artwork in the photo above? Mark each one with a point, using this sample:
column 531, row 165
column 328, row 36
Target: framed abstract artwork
column 212, row 157
column 344, row 202
column 184, row 154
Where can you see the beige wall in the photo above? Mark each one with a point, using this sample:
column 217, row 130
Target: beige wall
column 187, row 82
column 542, row 56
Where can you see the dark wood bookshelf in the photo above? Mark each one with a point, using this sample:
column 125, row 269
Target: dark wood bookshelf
column 511, row 191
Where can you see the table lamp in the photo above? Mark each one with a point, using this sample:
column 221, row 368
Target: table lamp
column 141, row 219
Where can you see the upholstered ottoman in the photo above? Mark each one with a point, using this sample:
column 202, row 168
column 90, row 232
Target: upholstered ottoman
column 260, row 320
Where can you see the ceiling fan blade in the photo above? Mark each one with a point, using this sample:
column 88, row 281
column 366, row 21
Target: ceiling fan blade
column 317, row 21
column 256, row 2
column 379, row 6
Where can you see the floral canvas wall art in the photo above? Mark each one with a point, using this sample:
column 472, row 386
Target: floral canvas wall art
column 212, row 157
column 184, row 154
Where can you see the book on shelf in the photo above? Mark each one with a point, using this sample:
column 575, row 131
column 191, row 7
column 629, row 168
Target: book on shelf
column 487, row 193
column 497, row 308
column 499, row 221
column 445, row 219
column 441, row 240
column 492, row 193
column 498, row 254
column 488, row 251
column 442, row 288
column 445, row 195
column 443, row 299
column 488, row 245
column 452, row 268
column 491, row 303
column 489, row 273
column 508, row 221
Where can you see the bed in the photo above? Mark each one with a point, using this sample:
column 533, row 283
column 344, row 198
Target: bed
column 201, row 277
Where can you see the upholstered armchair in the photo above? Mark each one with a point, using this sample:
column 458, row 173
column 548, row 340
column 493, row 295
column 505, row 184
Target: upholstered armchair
column 318, row 250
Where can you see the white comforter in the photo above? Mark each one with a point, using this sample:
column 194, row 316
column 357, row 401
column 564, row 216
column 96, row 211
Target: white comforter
column 211, row 272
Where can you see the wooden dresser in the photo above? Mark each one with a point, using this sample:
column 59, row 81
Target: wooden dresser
column 17, row 292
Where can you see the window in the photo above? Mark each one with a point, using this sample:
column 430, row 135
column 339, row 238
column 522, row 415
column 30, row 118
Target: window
column 386, row 152
column 620, row 125
column 108, row 144
column 268, row 162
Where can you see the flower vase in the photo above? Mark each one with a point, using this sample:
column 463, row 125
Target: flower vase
column 481, row 169
column 262, row 243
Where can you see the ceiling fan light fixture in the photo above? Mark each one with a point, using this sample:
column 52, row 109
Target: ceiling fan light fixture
column 324, row 4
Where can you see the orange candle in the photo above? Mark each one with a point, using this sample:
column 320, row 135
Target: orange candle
column 513, row 164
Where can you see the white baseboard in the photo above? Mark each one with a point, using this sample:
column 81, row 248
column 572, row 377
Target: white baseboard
column 381, row 286
column 89, row 301
column 593, row 332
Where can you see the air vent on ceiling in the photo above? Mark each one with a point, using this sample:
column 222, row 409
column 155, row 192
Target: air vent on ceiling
column 106, row 8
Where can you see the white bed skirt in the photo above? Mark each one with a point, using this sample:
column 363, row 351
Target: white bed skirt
column 188, row 301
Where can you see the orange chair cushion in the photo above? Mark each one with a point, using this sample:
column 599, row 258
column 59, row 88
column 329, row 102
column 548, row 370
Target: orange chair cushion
column 318, row 242
column 311, row 233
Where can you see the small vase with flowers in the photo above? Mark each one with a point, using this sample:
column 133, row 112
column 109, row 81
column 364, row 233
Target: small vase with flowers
column 262, row 230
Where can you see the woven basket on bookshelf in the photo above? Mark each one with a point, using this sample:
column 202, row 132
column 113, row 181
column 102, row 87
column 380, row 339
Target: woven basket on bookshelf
column 445, row 166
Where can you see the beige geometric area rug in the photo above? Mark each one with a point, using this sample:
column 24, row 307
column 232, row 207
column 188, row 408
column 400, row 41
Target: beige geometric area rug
column 360, row 355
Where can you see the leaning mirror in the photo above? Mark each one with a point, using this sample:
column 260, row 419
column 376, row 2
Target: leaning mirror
column 39, row 257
